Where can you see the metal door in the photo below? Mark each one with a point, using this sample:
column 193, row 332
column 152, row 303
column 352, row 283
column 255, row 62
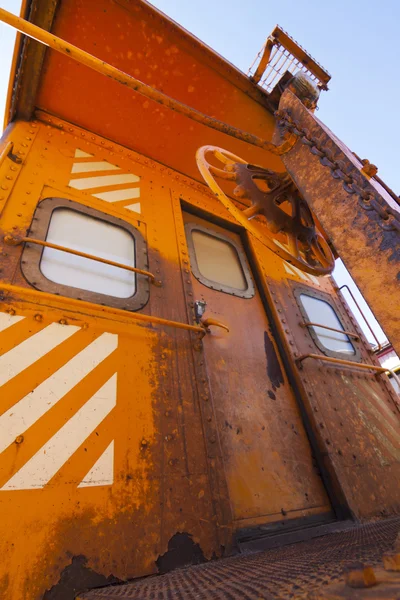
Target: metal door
column 267, row 457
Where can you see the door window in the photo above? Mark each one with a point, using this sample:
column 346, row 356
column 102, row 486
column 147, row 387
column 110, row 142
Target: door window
column 218, row 262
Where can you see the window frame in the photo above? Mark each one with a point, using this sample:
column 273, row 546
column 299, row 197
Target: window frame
column 32, row 255
column 249, row 292
column 313, row 293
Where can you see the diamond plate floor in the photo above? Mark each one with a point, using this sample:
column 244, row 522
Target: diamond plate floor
column 287, row 572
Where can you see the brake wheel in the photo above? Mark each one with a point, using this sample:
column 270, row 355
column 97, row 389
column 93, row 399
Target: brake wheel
column 289, row 228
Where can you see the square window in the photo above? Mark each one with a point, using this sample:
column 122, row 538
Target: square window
column 218, row 262
column 92, row 236
column 78, row 227
column 320, row 311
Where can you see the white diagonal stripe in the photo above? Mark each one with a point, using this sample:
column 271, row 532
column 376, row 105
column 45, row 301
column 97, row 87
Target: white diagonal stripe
column 305, row 276
column 50, row 458
column 30, row 350
column 82, row 154
column 86, row 183
column 116, row 195
column 90, row 167
column 102, row 472
column 35, row 404
column 288, row 269
column 7, row 320
column 134, row 207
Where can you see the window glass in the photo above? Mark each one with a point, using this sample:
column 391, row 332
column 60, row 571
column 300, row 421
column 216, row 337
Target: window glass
column 81, row 232
column 319, row 311
column 218, row 260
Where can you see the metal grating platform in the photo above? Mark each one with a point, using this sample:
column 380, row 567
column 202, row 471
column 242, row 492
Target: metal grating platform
column 283, row 573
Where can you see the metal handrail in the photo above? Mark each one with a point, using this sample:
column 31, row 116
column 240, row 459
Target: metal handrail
column 6, row 151
column 15, row 241
column 362, row 314
column 348, row 333
column 347, row 363
column 84, row 58
column 74, row 303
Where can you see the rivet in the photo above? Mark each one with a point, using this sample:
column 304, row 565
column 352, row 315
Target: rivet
column 38, row 317
column 9, row 177
column 11, row 311
column 169, row 438
column 19, row 439
column 63, row 322
column 4, row 187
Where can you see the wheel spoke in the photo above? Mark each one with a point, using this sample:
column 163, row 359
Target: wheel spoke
column 293, row 246
column 252, row 211
column 230, row 176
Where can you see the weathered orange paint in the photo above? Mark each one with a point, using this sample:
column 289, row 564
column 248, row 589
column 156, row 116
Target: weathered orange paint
column 176, row 468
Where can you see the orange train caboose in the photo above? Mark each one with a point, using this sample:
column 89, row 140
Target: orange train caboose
column 181, row 379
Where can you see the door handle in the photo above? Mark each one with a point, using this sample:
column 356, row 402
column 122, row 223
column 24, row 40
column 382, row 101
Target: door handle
column 206, row 323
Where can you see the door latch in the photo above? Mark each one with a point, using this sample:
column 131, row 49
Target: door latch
column 199, row 309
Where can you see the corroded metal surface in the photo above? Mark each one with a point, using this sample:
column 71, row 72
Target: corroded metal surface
column 360, row 217
column 288, row 572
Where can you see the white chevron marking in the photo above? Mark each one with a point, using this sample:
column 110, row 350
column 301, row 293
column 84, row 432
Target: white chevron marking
column 288, row 269
column 30, row 350
column 86, row 183
column 7, row 320
column 115, row 195
column 34, row 405
column 135, row 207
column 90, row 167
column 102, row 472
column 38, row 471
column 82, row 154
column 294, row 270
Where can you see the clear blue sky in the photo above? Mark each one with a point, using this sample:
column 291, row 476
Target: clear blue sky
column 356, row 41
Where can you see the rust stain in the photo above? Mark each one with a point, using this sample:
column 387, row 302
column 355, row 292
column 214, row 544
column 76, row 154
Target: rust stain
column 182, row 551
column 274, row 370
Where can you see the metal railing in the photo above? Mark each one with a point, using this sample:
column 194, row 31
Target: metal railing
column 15, row 241
column 348, row 363
column 84, row 58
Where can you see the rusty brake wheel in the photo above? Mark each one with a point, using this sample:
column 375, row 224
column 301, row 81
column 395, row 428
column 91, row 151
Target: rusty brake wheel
column 290, row 230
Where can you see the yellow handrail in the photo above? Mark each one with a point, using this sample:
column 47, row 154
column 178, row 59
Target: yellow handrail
column 15, row 241
column 6, row 151
column 84, row 58
column 348, row 363
column 348, row 333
